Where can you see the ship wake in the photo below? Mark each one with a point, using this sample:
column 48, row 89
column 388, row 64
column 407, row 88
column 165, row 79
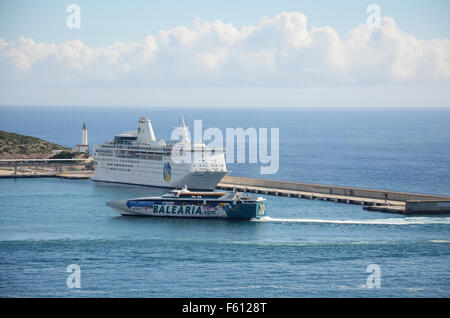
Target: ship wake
column 387, row 221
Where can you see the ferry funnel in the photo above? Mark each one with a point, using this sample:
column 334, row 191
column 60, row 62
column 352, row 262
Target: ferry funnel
column 145, row 129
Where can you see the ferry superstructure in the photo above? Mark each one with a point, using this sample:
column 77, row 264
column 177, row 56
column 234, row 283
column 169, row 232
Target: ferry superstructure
column 194, row 204
column 137, row 157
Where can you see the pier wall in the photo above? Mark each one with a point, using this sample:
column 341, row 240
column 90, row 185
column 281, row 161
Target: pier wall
column 414, row 207
column 331, row 190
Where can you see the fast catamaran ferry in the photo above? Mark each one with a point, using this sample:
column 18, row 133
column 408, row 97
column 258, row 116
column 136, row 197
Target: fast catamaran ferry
column 137, row 157
column 184, row 203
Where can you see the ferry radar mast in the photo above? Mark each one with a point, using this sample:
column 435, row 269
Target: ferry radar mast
column 184, row 130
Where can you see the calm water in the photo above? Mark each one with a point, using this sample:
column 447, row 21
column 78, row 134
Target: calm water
column 304, row 249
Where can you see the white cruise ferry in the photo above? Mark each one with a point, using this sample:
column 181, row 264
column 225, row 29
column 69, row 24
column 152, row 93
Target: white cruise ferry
column 137, row 157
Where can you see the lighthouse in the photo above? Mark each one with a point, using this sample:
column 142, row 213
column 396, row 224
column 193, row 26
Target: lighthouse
column 84, row 135
column 84, row 146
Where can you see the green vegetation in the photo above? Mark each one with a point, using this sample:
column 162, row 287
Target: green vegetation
column 15, row 146
column 64, row 155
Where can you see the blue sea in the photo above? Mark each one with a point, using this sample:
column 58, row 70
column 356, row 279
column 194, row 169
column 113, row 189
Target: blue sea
column 303, row 249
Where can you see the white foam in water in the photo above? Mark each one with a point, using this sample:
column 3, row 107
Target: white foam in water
column 440, row 241
column 388, row 221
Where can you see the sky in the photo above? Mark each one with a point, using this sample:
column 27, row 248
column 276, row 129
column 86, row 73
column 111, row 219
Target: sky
column 226, row 53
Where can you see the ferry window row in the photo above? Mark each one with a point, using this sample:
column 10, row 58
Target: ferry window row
column 119, row 169
column 118, row 165
column 103, row 154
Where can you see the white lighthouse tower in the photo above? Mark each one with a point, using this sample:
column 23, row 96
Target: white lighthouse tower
column 84, row 135
column 84, row 146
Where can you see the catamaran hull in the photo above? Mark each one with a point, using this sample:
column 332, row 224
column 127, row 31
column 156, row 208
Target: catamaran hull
column 228, row 210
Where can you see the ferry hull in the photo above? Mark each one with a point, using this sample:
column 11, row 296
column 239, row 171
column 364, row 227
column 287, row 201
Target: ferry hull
column 193, row 180
column 228, row 210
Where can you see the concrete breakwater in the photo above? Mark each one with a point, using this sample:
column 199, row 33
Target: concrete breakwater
column 47, row 174
column 46, row 168
column 370, row 199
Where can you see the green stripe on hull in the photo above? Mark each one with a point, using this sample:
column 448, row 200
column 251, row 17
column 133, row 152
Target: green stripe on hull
column 246, row 211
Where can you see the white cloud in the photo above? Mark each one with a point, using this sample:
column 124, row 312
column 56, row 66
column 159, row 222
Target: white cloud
column 278, row 51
